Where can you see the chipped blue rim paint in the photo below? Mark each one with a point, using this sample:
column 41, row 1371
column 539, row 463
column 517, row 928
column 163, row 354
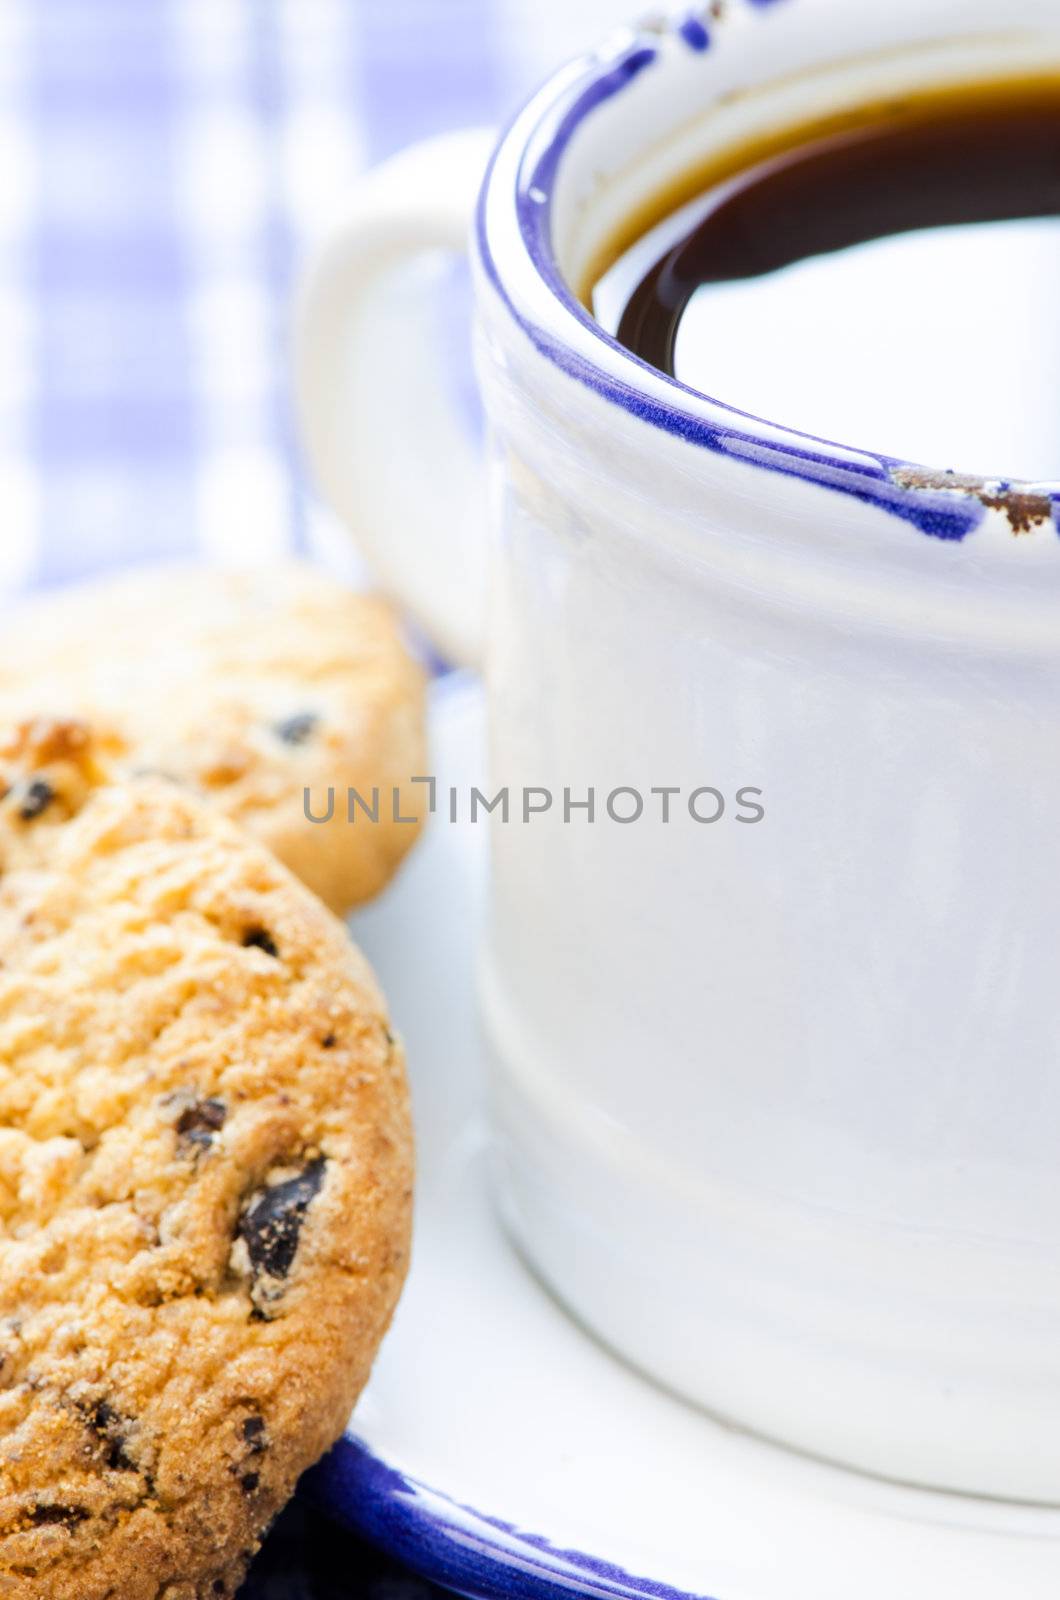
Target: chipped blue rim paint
column 460, row 1548
column 559, row 109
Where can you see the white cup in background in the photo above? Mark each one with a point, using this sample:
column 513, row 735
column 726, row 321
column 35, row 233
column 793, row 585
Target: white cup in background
column 777, row 1103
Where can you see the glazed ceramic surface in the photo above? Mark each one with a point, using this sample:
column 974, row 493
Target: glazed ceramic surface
column 501, row 1450
column 776, row 1102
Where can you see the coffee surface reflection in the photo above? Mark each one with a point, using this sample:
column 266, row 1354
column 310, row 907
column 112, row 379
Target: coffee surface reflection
column 893, row 285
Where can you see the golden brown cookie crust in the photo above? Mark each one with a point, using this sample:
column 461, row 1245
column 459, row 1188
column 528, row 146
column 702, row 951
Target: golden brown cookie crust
column 205, row 1173
column 250, row 687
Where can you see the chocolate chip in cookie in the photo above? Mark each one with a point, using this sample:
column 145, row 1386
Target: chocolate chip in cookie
column 258, row 938
column 270, row 1227
column 297, row 729
column 34, row 798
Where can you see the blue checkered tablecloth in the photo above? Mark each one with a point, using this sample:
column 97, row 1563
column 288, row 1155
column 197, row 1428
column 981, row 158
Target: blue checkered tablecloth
column 164, row 167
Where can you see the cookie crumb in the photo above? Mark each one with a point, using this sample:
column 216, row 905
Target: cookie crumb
column 254, row 1433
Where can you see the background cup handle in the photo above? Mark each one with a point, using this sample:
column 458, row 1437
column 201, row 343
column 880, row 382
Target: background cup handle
column 377, row 407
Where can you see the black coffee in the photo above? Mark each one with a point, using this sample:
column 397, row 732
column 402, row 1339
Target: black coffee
column 893, row 283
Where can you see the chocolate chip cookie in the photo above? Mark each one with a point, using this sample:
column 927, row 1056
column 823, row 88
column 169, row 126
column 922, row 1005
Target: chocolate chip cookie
column 204, row 1181
column 271, row 692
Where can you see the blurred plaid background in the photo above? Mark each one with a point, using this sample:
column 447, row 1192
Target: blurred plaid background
column 164, row 166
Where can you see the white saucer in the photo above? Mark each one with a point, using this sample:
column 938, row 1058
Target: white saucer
column 501, row 1451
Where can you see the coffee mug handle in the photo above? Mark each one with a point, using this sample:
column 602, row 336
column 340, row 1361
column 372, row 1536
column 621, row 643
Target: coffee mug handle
column 381, row 424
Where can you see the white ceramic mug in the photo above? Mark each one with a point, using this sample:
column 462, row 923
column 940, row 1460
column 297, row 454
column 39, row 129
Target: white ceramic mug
column 777, row 1106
